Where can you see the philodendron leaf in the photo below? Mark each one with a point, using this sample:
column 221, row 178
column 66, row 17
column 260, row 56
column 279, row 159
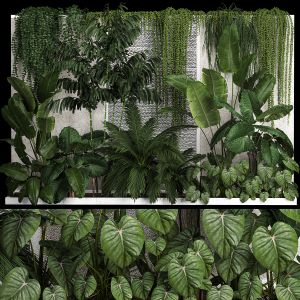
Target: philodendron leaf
column 289, row 291
column 54, row 293
column 155, row 247
column 229, row 268
column 16, row 229
column 142, row 287
column 67, row 138
column 77, row 180
column 77, row 227
column 293, row 214
column 276, row 248
column 163, row 263
column 250, row 287
column 122, row 242
column 17, row 286
column 186, row 273
column 15, row 170
column 202, row 106
column 264, row 88
column 84, row 287
column 160, row 220
column 180, row 82
column 274, row 113
column 291, row 164
column 33, row 189
column 228, row 49
column 225, row 292
column 161, row 293
column 120, row 288
column 223, row 230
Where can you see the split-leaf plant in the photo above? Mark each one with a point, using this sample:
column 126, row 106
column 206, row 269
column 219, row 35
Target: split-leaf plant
column 245, row 131
column 235, row 254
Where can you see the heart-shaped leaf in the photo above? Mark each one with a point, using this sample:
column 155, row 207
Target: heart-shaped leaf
column 223, row 230
column 122, row 242
column 17, row 286
column 84, row 287
column 54, row 293
column 274, row 249
column 161, row 293
column 289, row 291
column 120, row 288
column 142, row 287
column 163, row 263
column 155, row 247
column 250, row 287
column 225, row 292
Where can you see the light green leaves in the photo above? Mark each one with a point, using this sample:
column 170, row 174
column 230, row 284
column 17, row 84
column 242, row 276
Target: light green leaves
column 161, row 293
column 293, row 214
column 160, row 220
column 17, row 286
column 142, row 287
column 225, row 292
column 84, row 287
column 122, row 242
column 223, row 230
column 276, row 248
column 120, row 288
column 54, row 293
column 15, row 170
column 290, row 290
column 250, row 288
column 77, row 227
column 155, row 247
column 229, row 177
column 180, row 82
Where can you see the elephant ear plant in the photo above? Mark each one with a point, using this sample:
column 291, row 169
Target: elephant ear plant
column 248, row 130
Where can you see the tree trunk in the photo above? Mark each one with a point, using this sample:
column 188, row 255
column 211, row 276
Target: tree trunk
column 189, row 218
column 252, row 162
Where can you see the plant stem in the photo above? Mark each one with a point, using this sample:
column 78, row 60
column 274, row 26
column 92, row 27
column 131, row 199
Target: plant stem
column 41, row 257
column 33, row 258
column 122, row 111
column 91, row 126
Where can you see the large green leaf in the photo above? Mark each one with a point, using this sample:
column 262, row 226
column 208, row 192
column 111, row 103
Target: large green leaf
column 17, row 286
column 160, row 220
column 228, row 49
column 274, row 249
column 77, row 226
column 221, row 132
column 289, row 291
column 54, row 293
column 9, row 117
column 33, row 189
column 120, row 288
column 77, row 180
column 202, row 106
column 52, row 172
column 67, row 138
column 215, row 83
column 182, row 241
column 293, row 214
column 240, row 76
column 122, row 242
column 46, row 124
column 20, row 149
column 161, row 293
column 47, row 86
column 155, row 247
column 16, row 229
column 240, row 129
column 142, row 287
column 15, row 170
column 222, row 103
column 274, row 113
column 163, row 263
column 84, row 287
column 25, row 92
column 264, row 88
column 223, row 230
column 246, row 106
column 225, row 292
column 229, row 268
column 185, row 273
column 180, row 82
column 250, row 287
column 269, row 152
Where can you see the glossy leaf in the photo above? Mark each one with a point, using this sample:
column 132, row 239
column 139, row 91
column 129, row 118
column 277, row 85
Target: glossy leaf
column 15, row 170
column 293, row 214
column 33, row 189
column 246, row 106
column 52, row 172
column 120, row 288
column 250, row 288
column 84, row 287
column 142, row 287
column 20, row 149
column 225, row 292
column 163, row 263
column 54, row 293
column 46, row 124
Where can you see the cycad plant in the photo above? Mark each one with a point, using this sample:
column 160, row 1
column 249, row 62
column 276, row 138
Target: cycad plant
column 144, row 164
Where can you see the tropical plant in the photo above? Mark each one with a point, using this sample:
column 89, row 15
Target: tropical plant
column 240, row 254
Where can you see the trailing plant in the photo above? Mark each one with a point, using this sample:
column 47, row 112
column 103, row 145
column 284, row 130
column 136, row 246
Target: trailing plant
column 211, row 262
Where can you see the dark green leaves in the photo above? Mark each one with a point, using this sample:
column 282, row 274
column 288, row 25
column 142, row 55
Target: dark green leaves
column 54, row 293
column 68, row 136
column 15, row 170
column 120, row 288
column 33, row 189
column 142, row 287
column 77, row 180
column 264, row 88
column 84, row 287
column 274, row 113
column 250, row 287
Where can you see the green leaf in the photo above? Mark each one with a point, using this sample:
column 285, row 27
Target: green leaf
column 264, row 88
column 225, row 292
column 160, row 220
column 186, row 273
column 264, row 173
column 179, row 82
column 228, row 49
column 202, row 106
column 20, row 149
column 290, row 290
column 269, row 153
column 291, row 164
column 122, row 242
column 155, row 247
column 16, row 229
column 221, row 103
column 223, row 230
column 77, row 180
column 77, row 227
column 17, row 286
column 33, row 189
column 283, row 178
column 240, row 129
column 84, row 287
column 240, row 76
column 163, row 263
column 47, row 86
column 215, row 83
column 161, row 293
column 52, row 172
column 229, row 268
column 142, row 287
column 229, row 177
column 246, row 106
column 293, row 214
column 25, row 92
column 54, row 293
column 46, row 125
column 221, row 132
column 120, row 288
column 9, row 118
column 274, row 249
column 182, row 241
column 67, row 138
column 15, row 170
column 274, row 113
column 250, row 287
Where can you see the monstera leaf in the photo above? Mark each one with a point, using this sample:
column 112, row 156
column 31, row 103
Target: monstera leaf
column 16, row 229
column 17, row 286
column 225, row 292
column 160, row 220
column 276, row 248
column 155, row 247
column 185, row 273
column 289, row 291
column 120, row 288
column 122, row 242
column 84, row 287
column 54, row 293
column 142, row 287
column 250, row 287
column 161, row 293
column 223, row 230
column 77, row 227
